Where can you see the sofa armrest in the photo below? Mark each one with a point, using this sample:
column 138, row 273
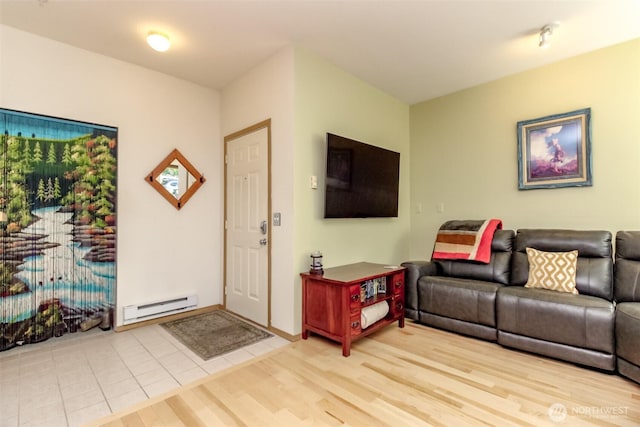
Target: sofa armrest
column 414, row 271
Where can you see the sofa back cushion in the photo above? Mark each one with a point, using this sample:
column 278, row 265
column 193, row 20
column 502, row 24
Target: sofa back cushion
column 497, row 270
column 627, row 268
column 594, row 275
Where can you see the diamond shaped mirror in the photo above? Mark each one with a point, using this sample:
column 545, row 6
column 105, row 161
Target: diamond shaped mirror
column 176, row 179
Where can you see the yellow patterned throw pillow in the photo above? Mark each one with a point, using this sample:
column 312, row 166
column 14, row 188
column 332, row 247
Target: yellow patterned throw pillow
column 552, row 270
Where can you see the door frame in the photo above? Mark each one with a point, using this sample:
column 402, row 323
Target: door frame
column 235, row 135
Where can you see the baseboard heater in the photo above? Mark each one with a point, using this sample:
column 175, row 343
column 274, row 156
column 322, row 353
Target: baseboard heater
column 138, row 313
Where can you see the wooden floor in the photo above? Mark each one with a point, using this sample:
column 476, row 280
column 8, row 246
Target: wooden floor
column 416, row 376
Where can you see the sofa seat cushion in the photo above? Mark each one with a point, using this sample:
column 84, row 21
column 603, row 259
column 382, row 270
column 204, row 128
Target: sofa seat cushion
column 628, row 331
column 576, row 320
column 462, row 299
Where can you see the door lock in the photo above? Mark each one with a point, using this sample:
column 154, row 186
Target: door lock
column 263, row 227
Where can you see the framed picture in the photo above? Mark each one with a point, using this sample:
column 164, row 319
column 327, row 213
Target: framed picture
column 555, row 151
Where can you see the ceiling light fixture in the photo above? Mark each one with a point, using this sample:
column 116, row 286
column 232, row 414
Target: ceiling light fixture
column 545, row 35
column 158, row 41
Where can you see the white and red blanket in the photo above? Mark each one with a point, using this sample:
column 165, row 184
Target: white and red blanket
column 466, row 239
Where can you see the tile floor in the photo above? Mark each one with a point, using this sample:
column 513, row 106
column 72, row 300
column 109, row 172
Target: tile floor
column 84, row 376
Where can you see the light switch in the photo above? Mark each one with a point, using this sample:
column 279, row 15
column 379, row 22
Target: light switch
column 276, row 219
column 314, row 182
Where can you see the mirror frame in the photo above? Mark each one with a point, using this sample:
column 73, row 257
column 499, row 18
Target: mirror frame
column 152, row 179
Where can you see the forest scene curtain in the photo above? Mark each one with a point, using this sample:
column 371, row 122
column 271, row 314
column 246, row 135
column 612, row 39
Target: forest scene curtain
column 57, row 226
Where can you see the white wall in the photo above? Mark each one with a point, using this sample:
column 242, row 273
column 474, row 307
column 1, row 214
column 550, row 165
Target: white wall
column 162, row 252
column 266, row 92
column 464, row 149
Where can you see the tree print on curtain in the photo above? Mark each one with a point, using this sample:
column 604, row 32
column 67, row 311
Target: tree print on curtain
column 57, row 226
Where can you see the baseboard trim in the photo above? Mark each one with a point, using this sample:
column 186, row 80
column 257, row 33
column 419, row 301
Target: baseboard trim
column 271, row 329
column 163, row 319
column 201, row 310
column 283, row 334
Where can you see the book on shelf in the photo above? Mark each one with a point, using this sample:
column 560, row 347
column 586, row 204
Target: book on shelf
column 373, row 287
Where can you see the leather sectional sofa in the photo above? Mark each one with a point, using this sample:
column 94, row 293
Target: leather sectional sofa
column 490, row 301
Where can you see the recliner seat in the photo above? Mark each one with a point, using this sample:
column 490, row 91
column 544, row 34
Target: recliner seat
column 576, row 328
column 459, row 295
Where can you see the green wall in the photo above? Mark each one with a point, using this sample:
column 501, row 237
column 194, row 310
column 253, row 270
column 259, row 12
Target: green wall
column 464, row 149
column 327, row 99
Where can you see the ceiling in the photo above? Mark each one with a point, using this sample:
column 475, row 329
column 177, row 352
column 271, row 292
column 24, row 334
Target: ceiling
column 414, row 50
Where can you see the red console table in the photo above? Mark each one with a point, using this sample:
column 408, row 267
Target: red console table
column 332, row 302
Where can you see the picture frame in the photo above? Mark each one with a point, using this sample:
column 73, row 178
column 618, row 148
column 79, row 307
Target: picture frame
column 555, row 151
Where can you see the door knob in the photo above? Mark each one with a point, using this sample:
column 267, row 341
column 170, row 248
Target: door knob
column 263, row 242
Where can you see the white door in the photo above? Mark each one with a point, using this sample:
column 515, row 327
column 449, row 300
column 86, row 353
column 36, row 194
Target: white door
column 247, row 227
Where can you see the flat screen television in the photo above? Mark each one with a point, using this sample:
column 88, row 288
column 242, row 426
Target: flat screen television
column 361, row 180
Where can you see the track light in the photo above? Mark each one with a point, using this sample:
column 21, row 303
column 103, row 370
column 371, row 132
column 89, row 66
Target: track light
column 545, row 35
column 158, row 41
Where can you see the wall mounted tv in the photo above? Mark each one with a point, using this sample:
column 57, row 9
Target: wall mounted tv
column 361, row 180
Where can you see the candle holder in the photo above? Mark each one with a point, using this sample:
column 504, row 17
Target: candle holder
column 316, row 263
